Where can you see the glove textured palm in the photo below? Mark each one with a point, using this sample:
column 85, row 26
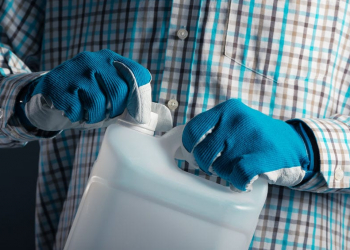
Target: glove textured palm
column 238, row 143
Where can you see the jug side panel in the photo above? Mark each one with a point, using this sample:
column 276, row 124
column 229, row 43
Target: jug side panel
column 127, row 221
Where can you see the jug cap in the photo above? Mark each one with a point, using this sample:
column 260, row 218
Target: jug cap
column 127, row 120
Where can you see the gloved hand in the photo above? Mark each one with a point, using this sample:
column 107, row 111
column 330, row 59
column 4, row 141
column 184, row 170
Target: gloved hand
column 89, row 91
column 238, row 144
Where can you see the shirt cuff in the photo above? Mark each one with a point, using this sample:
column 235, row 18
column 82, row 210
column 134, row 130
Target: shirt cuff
column 12, row 133
column 333, row 137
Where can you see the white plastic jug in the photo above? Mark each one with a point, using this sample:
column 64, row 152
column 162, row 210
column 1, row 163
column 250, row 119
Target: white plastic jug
column 137, row 198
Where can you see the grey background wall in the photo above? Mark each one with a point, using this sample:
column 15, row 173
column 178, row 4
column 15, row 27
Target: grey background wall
column 18, row 174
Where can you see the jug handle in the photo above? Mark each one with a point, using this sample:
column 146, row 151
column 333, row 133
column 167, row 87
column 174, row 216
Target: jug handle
column 173, row 145
column 173, row 142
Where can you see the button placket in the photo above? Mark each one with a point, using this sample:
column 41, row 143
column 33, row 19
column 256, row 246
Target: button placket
column 176, row 78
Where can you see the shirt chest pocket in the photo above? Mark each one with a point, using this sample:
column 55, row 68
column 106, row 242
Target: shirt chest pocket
column 281, row 39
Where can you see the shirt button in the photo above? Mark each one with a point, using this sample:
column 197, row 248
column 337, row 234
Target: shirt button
column 339, row 174
column 182, row 34
column 1, row 113
column 172, row 104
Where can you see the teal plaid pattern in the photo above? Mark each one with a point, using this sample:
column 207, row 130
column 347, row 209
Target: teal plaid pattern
column 287, row 59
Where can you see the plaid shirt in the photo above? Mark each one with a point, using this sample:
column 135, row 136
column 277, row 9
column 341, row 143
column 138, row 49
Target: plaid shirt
column 287, row 59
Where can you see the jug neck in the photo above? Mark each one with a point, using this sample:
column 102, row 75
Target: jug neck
column 127, row 120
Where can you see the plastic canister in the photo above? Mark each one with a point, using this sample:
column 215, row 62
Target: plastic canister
column 137, row 198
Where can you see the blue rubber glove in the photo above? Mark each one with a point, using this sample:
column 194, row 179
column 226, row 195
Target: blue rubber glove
column 88, row 91
column 239, row 144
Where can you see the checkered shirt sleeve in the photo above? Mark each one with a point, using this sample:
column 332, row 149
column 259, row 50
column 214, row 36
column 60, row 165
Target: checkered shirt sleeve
column 14, row 73
column 12, row 133
column 333, row 137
